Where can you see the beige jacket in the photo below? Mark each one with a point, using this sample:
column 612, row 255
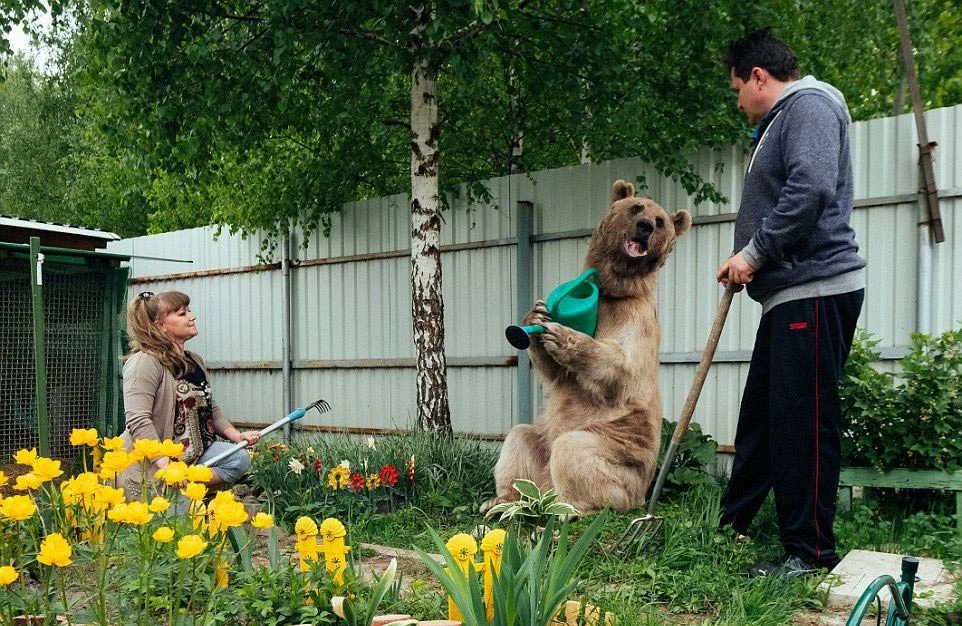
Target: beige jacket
column 150, row 400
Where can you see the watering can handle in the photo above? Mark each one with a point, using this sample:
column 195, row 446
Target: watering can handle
column 589, row 274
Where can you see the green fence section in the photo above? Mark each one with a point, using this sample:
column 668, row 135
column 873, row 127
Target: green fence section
column 81, row 296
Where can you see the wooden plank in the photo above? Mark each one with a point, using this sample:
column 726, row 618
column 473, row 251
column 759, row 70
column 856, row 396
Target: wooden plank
column 900, row 478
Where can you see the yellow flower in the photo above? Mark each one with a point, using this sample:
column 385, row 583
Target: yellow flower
column 7, row 575
column 3, row 478
column 195, row 491
column 338, row 477
column 113, row 444
column 148, row 448
column 25, row 457
column 164, row 534
column 114, row 462
column 138, row 513
column 47, row 469
column 199, row 473
column 159, row 505
column 118, row 512
column 462, row 547
column 332, row 529
column 305, row 528
column 54, row 550
column 220, row 574
column 493, row 541
column 173, row 474
column 108, row 496
column 84, row 437
column 227, row 515
column 28, row 481
column 263, row 520
column 373, row 480
column 17, row 508
column 190, row 546
column 171, row 449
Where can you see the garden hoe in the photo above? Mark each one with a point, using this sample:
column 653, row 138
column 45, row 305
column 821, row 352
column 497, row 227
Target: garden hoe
column 321, row 406
column 642, row 530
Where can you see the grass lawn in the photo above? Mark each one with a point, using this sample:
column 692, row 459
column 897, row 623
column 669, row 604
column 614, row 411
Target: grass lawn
column 691, row 574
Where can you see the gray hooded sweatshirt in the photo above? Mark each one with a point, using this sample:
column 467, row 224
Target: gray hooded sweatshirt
column 793, row 222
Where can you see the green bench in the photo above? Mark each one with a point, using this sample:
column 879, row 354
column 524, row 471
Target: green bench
column 900, row 479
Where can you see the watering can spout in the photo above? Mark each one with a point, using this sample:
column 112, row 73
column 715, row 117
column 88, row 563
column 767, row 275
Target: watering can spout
column 573, row 304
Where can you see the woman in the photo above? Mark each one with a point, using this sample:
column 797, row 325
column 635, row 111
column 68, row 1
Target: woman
column 167, row 392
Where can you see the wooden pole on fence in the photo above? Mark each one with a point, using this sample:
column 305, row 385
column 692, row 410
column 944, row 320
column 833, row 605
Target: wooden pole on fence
column 926, row 147
column 524, row 224
column 39, row 348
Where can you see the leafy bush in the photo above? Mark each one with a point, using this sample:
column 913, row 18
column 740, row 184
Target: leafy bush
column 696, row 451
column 909, row 419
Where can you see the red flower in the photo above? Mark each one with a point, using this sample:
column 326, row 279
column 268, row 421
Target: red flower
column 318, row 467
column 388, row 475
column 357, row 483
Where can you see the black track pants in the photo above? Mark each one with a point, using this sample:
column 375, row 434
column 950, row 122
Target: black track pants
column 790, row 423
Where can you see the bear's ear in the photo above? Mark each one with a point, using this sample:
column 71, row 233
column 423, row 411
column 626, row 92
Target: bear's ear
column 621, row 190
column 682, row 220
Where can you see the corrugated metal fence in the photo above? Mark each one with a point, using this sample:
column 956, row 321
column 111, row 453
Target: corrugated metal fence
column 350, row 303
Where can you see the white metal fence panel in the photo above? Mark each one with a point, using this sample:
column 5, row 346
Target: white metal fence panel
column 350, row 313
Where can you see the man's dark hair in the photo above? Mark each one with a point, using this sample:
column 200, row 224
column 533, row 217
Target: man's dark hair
column 761, row 49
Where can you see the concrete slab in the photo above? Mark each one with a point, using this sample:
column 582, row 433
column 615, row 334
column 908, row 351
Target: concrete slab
column 860, row 567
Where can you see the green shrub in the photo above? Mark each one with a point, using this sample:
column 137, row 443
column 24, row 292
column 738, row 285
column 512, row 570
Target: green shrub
column 909, row 419
column 696, row 451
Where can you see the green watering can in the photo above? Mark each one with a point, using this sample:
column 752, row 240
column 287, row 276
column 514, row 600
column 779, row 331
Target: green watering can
column 573, row 304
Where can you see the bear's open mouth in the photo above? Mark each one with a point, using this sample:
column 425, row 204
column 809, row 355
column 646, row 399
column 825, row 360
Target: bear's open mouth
column 635, row 248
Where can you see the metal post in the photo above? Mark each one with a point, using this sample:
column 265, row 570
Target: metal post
column 524, row 224
column 286, row 327
column 39, row 349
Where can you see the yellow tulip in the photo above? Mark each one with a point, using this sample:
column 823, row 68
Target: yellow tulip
column 114, row 462
column 7, row 575
column 54, row 550
column 200, row 474
column 108, row 496
column 164, row 534
column 159, row 505
column 17, row 508
column 113, row 444
column 84, row 437
column 462, row 547
column 190, row 546
column 148, row 448
column 47, row 469
column 138, row 514
column 27, row 482
column 173, row 474
column 25, row 457
column 262, row 520
column 171, row 449
column 195, row 491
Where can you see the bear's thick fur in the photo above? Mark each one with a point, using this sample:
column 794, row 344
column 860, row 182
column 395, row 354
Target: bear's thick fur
column 597, row 440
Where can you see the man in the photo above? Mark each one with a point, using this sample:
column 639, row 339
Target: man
column 796, row 253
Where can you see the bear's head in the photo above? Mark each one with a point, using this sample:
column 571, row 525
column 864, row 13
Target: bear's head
column 635, row 237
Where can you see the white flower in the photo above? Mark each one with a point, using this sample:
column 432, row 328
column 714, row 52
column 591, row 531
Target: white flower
column 296, row 466
column 337, row 605
column 345, row 464
column 371, row 444
column 309, row 451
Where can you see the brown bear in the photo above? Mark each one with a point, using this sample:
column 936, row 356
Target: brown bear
column 597, row 440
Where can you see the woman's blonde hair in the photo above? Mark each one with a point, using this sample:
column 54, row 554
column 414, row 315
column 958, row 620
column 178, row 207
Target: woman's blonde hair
column 145, row 336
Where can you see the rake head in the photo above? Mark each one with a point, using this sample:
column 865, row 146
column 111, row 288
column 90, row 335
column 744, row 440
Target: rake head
column 639, row 535
column 321, row 405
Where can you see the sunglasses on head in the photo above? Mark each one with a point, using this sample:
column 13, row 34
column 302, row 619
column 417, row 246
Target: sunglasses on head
column 145, row 295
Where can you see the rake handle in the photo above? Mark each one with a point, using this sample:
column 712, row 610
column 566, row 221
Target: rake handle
column 700, row 375
column 294, row 415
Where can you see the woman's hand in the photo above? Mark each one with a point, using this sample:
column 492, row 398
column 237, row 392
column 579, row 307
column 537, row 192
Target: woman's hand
column 250, row 436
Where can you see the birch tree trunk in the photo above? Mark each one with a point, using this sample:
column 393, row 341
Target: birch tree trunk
column 427, row 304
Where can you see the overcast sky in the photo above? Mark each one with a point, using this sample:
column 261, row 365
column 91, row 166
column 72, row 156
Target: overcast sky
column 20, row 41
